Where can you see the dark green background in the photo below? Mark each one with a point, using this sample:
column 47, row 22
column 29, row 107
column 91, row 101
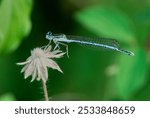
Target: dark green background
column 89, row 74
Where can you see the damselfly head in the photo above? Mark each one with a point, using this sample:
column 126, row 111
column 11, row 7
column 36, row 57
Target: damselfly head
column 49, row 35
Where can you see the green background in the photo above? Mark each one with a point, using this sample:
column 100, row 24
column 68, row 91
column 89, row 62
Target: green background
column 89, row 74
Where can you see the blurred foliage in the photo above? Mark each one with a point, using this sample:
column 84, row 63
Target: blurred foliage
column 88, row 74
column 14, row 23
column 133, row 73
column 7, row 97
column 107, row 22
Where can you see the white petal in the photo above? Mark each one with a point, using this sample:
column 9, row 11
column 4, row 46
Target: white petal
column 51, row 54
column 55, row 55
column 59, row 55
column 39, row 76
column 45, row 68
column 52, row 64
column 41, row 71
column 56, row 51
column 23, row 63
column 34, row 74
column 38, row 79
column 24, row 68
column 37, row 64
column 29, row 70
column 48, row 49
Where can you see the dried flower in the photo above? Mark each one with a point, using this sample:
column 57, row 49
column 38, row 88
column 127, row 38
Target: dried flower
column 39, row 61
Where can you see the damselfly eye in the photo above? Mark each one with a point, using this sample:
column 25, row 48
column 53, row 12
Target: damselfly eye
column 49, row 33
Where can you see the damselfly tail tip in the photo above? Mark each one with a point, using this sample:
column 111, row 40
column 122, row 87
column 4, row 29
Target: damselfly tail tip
column 131, row 54
column 127, row 52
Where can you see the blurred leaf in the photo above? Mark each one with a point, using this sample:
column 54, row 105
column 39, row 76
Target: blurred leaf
column 107, row 22
column 132, row 73
column 142, row 21
column 7, row 97
column 143, row 94
column 14, row 23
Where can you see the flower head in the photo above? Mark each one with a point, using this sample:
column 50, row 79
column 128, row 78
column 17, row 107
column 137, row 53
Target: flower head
column 39, row 61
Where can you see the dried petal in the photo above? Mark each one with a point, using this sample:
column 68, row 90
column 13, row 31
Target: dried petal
column 39, row 61
column 59, row 55
column 23, row 63
column 54, row 65
column 29, row 70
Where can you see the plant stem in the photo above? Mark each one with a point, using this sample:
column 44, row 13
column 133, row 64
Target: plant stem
column 45, row 90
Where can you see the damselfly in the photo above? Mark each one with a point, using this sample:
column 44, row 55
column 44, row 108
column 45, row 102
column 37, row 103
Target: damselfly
column 60, row 39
